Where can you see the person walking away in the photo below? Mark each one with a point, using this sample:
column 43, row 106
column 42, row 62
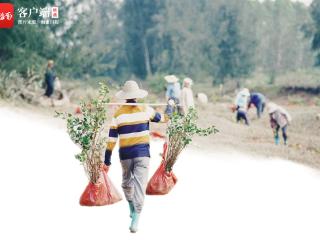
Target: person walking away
column 241, row 103
column 50, row 77
column 279, row 119
column 131, row 125
column 173, row 93
column 187, row 96
column 259, row 101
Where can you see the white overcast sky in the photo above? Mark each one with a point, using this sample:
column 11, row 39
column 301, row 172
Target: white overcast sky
column 307, row 2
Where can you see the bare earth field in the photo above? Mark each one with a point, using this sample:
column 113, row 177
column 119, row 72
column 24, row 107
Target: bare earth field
column 221, row 192
column 304, row 134
column 257, row 139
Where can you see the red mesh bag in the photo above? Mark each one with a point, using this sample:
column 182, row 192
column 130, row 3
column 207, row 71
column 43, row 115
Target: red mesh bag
column 100, row 194
column 162, row 181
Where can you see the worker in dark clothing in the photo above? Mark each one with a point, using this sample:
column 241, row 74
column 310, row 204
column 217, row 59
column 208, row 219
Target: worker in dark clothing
column 50, row 77
column 259, row 101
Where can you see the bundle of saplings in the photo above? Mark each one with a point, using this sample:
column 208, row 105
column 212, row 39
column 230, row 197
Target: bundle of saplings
column 87, row 130
column 180, row 131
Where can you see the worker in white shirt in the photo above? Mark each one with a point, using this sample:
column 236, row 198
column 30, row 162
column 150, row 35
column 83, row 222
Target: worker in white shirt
column 187, row 95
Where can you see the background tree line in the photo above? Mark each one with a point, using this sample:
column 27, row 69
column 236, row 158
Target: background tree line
column 208, row 40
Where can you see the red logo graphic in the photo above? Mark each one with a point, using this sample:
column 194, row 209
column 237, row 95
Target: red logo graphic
column 6, row 15
column 54, row 12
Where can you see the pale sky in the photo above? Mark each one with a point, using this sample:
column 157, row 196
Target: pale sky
column 307, row 2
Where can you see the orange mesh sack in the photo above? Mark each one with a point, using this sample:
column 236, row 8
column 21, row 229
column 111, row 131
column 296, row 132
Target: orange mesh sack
column 100, row 194
column 162, row 181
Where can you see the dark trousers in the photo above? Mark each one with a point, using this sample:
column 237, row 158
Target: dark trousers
column 260, row 108
column 50, row 87
column 170, row 110
column 284, row 133
column 242, row 115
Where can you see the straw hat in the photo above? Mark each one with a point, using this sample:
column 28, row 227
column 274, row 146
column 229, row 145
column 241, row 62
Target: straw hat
column 171, row 78
column 50, row 62
column 272, row 107
column 188, row 81
column 131, row 90
column 245, row 92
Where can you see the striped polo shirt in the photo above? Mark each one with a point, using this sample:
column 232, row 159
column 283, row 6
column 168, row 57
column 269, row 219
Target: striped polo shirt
column 131, row 125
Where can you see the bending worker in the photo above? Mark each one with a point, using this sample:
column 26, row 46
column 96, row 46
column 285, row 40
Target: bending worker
column 259, row 101
column 279, row 119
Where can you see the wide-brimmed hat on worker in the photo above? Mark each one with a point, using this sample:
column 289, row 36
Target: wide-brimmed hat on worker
column 188, row 81
column 245, row 92
column 50, row 62
column 171, row 79
column 131, row 90
column 272, row 107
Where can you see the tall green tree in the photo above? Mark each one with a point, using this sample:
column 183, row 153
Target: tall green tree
column 233, row 61
column 315, row 13
column 28, row 46
column 204, row 39
column 93, row 43
column 281, row 45
column 25, row 46
column 139, row 20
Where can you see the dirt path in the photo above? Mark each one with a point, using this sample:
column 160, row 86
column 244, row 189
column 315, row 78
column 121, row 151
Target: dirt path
column 257, row 140
column 220, row 194
column 304, row 134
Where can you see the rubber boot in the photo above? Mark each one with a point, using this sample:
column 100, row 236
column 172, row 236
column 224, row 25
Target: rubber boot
column 131, row 207
column 134, row 222
column 276, row 140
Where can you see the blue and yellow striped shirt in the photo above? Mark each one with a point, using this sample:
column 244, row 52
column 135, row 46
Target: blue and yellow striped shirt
column 131, row 125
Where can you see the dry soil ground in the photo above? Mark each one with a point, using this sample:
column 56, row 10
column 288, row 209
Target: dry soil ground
column 304, row 133
column 221, row 193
